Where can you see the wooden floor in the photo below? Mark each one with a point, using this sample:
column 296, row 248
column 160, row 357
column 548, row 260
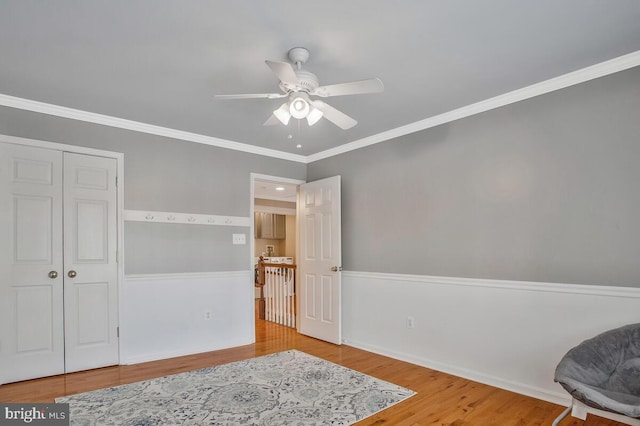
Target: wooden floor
column 441, row 400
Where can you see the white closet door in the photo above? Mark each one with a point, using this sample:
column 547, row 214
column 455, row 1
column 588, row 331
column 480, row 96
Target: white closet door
column 90, row 268
column 31, row 274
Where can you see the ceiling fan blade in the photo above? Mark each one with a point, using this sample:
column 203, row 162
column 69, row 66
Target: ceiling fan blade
column 252, row 96
column 373, row 85
column 338, row 118
column 285, row 72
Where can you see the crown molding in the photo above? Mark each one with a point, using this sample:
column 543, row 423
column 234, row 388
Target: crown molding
column 602, row 69
column 136, row 126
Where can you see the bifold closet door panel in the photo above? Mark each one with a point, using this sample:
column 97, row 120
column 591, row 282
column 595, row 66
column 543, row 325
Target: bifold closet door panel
column 31, row 268
column 90, row 250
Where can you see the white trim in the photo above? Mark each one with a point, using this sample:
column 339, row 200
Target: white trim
column 157, row 356
column 136, row 126
column 546, row 315
column 602, row 69
column 556, row 398
column 276, row 179
column 580, row 76
column 119, row 157
column 596, row 290
column 185, row 218
column 61, row 147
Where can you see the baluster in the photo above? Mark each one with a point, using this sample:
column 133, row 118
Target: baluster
column 278, row 297
column 274, row 297
column 261, row 302
column 288, row 295
column 270, row 299
column 293, row 297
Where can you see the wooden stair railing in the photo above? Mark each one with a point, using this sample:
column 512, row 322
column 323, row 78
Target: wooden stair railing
column 277, row 292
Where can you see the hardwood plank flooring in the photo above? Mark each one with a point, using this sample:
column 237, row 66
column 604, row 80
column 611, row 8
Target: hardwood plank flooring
column 441, row 399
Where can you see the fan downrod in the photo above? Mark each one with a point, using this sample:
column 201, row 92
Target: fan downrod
column 307, row 81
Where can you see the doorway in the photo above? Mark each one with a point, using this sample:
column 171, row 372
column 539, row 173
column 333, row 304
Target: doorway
column 274, row 232
column 318, row 277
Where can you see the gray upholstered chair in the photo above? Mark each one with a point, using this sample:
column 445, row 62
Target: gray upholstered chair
column 604, row 373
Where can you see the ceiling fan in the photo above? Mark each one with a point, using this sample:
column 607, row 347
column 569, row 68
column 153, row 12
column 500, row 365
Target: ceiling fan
column 298, row 85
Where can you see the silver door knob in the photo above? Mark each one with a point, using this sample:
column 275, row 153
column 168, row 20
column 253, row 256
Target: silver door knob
column 72, row 274
column 53, row 274
column 336, row 268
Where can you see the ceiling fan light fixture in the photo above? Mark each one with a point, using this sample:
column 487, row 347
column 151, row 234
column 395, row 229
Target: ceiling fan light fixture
column 299, row 107
column 298, row 85
column 282, row 114
column 314, row 116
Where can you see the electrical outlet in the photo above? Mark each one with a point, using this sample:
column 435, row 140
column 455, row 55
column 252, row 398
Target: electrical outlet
column 207, row 315
column 411, row 322
column 239, row 239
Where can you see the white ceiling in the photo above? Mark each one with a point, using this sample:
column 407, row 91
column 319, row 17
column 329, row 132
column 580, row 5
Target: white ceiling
column 160, row 62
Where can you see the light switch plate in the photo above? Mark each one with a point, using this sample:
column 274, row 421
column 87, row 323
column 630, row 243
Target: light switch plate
column 239, row 239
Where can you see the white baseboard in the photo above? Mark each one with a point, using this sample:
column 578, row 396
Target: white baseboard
column 507, row 334
column 535, row 392
column 147, row 357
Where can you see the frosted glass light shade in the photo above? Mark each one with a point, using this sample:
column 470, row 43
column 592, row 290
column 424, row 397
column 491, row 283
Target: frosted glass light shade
column 299, row 108
column 282, row 114
column 314, row 115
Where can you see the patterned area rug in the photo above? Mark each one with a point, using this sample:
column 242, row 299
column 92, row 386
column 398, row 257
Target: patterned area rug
column 286, row 388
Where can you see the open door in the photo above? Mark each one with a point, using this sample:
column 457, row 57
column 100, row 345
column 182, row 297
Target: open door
column 320, row 259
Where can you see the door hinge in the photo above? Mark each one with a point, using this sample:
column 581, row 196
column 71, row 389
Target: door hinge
column 116, row 181
column 118, row 332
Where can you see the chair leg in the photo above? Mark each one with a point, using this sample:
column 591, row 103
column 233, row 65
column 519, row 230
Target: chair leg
column 562, row 415
column 578, row 410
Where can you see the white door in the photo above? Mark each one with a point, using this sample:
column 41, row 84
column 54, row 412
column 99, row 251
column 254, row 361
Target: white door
column 31, row 275
column 90, row 268
column 320, row 259
column 53, row 320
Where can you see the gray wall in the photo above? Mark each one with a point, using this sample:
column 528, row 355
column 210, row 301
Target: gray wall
column 164, row 174
column 542, row 190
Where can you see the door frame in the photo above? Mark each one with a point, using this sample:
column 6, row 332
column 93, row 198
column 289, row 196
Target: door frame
column 119, row 157
column 252, row 179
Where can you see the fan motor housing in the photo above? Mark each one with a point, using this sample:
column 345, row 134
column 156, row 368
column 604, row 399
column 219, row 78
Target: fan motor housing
column 307, row 81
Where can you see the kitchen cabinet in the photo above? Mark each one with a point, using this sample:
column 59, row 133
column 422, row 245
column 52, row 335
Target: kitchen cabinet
column 270, row 226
